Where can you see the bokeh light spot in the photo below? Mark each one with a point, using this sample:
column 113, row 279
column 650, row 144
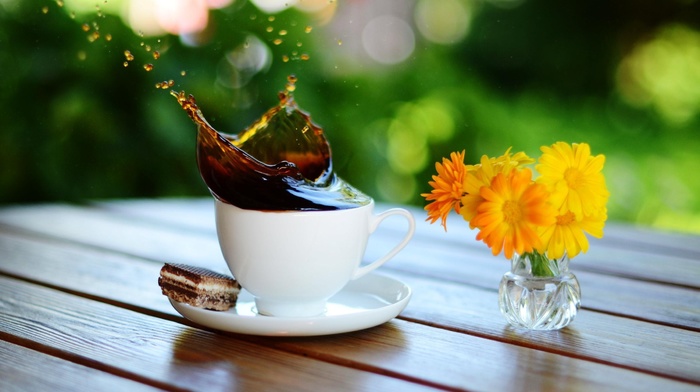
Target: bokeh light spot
column 444, row 21
column 394, row 187
column 664, row 73
column 182, row 16
column 244, row 62
column 273, row 6
column 407, row 148
column 388, row 39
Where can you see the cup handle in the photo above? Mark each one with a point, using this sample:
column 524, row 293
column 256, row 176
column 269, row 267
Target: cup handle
column 377, row 219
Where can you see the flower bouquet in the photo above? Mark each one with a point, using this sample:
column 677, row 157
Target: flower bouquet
column 538, row 223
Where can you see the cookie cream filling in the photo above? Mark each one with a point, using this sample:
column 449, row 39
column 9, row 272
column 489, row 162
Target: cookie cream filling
column 206, row 286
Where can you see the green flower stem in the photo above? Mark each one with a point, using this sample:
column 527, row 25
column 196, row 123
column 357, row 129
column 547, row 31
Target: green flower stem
column 540, row 264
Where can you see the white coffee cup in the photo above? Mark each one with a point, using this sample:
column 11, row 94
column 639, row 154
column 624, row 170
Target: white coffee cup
column 292, row 262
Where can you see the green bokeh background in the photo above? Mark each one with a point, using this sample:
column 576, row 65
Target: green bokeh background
column 76, row 125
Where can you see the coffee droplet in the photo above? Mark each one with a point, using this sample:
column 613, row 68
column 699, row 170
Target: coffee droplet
column 165, row 84
column 277, row 41
column 108, row 37
column 86, row 27
column 308, row 29
column 128, row 55
column 183, row 73
column 126, row 64
column 282, row 32
column 304, row 57
column 94, row 36
column 148, row 67
column 156, row 55
column 45, row 10
column 291, row 83
column 285, row 58
column 269, row 29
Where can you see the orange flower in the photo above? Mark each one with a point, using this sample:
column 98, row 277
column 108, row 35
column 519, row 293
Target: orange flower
column 512, row 209
column 482, row 174
column 447, row 188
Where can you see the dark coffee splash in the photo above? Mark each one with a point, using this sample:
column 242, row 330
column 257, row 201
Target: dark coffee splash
column 281, row 162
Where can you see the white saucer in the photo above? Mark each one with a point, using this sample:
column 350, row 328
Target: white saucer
column 363, row 303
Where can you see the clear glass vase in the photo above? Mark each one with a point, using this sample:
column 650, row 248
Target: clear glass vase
column 539, row 293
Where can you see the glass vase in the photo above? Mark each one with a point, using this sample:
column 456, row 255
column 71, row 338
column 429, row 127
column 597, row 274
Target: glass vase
column 539, row 293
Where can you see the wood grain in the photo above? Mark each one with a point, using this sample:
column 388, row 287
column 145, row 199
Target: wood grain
column 625, row 251
column 131, row 342
column 199, row 213
column 78, row 285
column 441, row 257
column 127, row 342
column 22, row 369
column 448, row 306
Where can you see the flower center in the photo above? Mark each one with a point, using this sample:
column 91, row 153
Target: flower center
column 512, row 212
column 573, row 177
column 566, row 219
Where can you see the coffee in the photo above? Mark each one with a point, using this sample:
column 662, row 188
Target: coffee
column 281, row 162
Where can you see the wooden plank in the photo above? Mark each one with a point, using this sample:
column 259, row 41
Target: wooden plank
column 118, row 233
column 22, row 369
column 163, row 351
column 665, row 304
column 452, row 306
column 193, row 358
column 626, row 263
column 89, row 271
column 617, row 235
column 190, row 213
column 595, row 336
column 473, row 363
column 478, row 268
column 649, row 240
column 665, row 257
column 199, row 213
column 136, row 238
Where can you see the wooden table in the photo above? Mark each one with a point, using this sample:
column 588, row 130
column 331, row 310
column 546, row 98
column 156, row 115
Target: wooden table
column 80, row 308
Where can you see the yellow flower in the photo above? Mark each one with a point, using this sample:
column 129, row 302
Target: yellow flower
column 447, row 188
column 568, row 233
column 516, row 160
column 482, row 174
column 513, row 213
column 574, row 177
column 512, row 209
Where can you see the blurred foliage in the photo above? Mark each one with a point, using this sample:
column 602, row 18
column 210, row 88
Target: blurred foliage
column 77, row 124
